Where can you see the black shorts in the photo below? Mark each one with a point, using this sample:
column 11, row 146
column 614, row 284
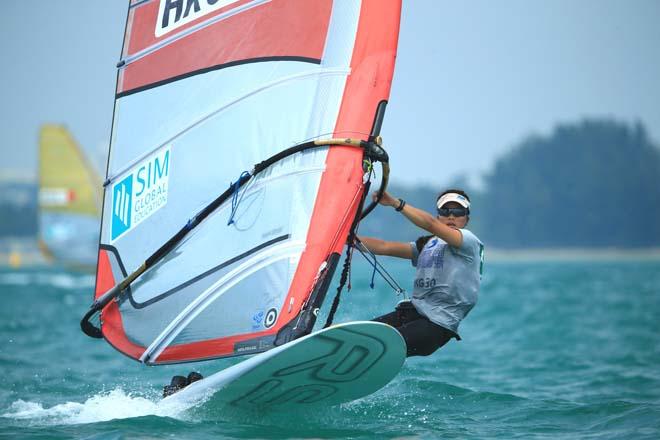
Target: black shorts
column 421, row 335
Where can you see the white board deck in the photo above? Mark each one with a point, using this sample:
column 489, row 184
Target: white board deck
column 335, row 365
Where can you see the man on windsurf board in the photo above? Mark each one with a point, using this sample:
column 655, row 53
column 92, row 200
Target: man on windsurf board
column 449, row 264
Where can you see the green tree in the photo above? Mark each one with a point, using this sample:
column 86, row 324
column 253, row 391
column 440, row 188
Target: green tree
column 593, row 184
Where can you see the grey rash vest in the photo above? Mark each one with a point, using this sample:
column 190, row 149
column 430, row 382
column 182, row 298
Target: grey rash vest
column 447, row 279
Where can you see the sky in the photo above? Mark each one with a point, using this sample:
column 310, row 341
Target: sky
column 472, row 78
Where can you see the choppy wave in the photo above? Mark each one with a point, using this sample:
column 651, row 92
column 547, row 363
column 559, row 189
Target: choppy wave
column 116, row 404
column 551, row 351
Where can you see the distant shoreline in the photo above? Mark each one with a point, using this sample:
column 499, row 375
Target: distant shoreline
column 572, row 254
column 30, row 255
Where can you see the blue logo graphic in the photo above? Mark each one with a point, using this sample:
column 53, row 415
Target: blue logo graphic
column 122, row 200
column 271, row 317
column 432, row 256
column 256, row 320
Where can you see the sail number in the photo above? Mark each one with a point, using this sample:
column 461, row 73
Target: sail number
column 425, row 283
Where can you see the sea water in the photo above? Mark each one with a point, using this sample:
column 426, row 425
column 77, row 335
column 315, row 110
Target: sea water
column 552, row 350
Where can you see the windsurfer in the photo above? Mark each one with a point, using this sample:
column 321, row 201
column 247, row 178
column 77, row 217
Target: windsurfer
column 449, row 264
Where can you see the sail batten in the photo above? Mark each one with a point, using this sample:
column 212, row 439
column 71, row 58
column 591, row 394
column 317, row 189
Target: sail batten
column 138, row 305
column 207, row 110
column 208, row 296
column 215, row 112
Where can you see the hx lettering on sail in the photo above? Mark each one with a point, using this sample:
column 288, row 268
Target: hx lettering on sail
column 173, row 14
column 141, row 193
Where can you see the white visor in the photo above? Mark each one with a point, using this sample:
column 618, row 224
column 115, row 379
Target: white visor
column 453, row 197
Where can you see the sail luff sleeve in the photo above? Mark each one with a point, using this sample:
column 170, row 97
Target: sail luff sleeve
column 372, row 67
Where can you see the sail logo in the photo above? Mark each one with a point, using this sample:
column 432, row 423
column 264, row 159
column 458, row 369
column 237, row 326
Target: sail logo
column 121, row 206
column 173, row 14
column 271, row 318
column 141, row 193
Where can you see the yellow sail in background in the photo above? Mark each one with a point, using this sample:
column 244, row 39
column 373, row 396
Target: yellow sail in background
column 67, row 182
column 70, row 197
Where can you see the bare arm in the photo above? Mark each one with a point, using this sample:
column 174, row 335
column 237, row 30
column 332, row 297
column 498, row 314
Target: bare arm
column 426, row 221
column 389, row 248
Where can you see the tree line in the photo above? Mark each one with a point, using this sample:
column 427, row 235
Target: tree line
column 594, row 183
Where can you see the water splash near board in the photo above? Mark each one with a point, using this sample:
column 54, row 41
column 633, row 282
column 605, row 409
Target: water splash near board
column 102, row 407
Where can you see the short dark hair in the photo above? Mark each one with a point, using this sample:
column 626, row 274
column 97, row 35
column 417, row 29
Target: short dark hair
column 457, row 191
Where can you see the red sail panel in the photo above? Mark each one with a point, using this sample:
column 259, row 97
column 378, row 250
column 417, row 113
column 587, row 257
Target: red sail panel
column 279, row 28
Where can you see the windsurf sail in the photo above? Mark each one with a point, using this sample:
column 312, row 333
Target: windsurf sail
column 226, row 208
column 70, row 194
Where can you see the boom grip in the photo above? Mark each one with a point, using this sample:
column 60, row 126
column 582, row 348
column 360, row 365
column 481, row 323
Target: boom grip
column 383, row 186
